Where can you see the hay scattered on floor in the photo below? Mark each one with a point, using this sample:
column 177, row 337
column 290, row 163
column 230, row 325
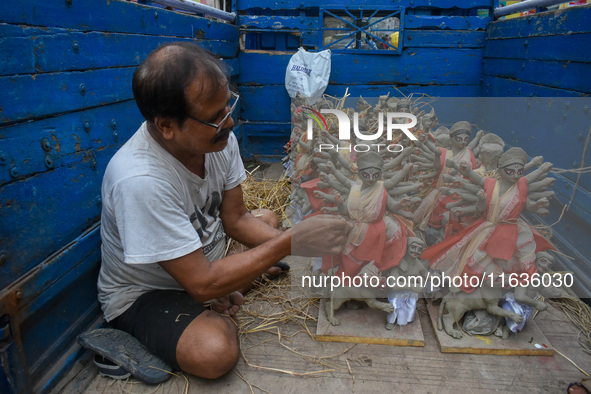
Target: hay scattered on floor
column 579, row 314
column 276, row 306
column 270, row 194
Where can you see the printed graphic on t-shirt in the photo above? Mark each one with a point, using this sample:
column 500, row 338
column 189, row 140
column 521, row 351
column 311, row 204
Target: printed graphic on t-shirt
column 211, row 206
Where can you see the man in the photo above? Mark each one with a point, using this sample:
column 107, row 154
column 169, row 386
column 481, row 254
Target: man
column 170, row 195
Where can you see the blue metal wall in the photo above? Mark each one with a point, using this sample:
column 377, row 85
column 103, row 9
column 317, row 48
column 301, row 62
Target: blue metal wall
column 538, row 68
column 66, row 107
column 442, row 50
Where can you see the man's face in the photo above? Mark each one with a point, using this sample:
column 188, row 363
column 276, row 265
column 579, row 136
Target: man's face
column 211, row 108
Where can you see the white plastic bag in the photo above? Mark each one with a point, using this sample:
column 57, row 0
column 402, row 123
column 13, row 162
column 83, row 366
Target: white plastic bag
column 308, row 73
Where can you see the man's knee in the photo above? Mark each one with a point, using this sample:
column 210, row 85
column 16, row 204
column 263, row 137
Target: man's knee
column 209, row 347
column 267, row 216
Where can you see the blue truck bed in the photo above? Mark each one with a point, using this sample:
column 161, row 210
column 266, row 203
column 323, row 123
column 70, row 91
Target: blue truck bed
column 67, row 106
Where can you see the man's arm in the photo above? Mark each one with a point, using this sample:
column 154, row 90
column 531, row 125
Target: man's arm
column 205, row 280
column 238, row 222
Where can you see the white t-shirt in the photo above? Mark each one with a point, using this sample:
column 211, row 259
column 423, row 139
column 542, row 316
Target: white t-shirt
column 155, row 209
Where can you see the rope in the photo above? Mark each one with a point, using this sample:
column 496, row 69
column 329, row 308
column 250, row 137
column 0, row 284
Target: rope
column 581, row 170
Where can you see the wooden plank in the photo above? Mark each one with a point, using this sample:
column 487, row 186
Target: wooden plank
column 562, row 21
column 271, row 103
column 446, row 22
column 369, row 368
column 98, row 15
column 10, row 31
column 454, row 67
column 443, row 39
column 278, row 22
column 263, row 68
column 300, row 4
column 518, row 344
column 70, row 51
column 557, row 74
column 558, row 47
column 25, row 97
column 42, row 199
column 264, row 140
column 494, row 86
column 434, row 90
column 367, row 326
column 43, row 345
column 68, row 137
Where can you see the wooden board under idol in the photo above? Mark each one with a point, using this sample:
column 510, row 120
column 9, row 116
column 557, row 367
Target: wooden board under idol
column 531, row 341
column 367, row 325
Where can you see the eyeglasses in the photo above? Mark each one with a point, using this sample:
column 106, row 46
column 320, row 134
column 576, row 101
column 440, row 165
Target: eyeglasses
column 232, row 104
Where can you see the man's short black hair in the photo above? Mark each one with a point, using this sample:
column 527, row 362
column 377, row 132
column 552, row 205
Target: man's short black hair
column 159, row 83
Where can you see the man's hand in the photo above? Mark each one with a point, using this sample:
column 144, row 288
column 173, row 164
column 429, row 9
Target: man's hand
column 319, row 235
column 229, row 304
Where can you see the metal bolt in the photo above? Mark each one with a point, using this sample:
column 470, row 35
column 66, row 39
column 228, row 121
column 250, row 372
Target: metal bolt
column 409, row 38
column 68, row 3
column 115, row 136
column 2, row 159
column 156, row 15
column 75, row 47
column 48, row 161
column 525, row 43
column 93, row 164
column 82, row 89
column 46, row 145
column 86, row 126
column 113, row 124
column 3, row 258
column 13, row 172
column 18, row 295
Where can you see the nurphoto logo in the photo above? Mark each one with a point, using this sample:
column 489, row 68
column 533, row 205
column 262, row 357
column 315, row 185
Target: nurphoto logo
column 395, row 121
